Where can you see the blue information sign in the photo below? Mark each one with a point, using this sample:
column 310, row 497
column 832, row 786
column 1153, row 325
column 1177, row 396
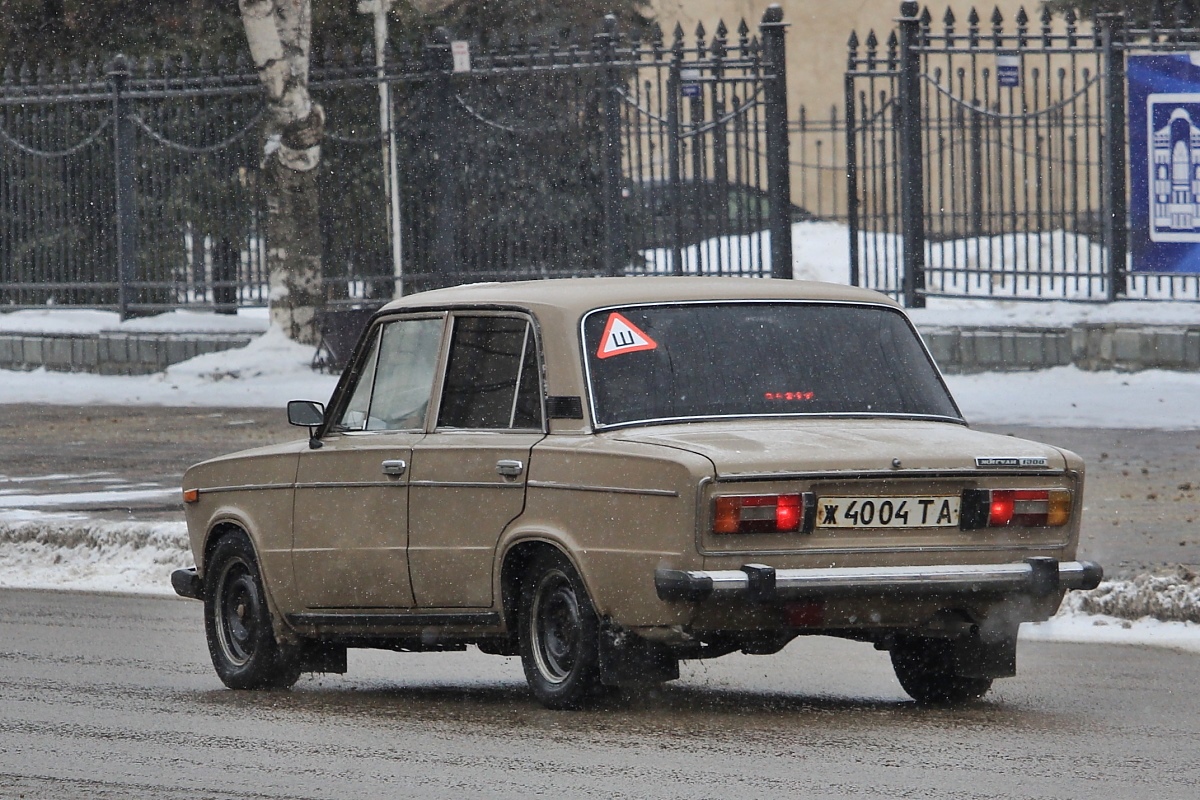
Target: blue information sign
column 1164, row 162
column 1008, row 70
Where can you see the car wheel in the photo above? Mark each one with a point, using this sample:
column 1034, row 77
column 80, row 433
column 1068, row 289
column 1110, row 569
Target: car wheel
column 926, row 670
column 559, row 635
column 237, row 621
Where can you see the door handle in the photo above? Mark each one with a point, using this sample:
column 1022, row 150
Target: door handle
column 509, row 467
column 394, row 466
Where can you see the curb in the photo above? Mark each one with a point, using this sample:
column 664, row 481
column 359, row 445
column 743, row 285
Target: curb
column 111, row 353
column 1089, row 346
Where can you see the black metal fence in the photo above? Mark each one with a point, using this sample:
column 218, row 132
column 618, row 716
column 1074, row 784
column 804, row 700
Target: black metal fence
column 136, row 186
column 986, row 160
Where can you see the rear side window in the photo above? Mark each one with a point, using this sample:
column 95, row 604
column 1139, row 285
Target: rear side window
column 492, row 376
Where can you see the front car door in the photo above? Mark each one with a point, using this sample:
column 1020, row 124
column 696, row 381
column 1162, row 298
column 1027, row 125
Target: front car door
column 468, row 475
column 350, row 529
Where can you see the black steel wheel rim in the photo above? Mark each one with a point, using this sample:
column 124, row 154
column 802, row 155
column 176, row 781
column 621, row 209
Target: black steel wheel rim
column 557, row 628
column 238, row 612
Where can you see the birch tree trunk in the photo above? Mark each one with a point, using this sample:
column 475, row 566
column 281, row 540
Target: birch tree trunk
column 279, row 34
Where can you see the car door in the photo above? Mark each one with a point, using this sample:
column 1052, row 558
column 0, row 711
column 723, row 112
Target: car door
column 350, row 519
column 468, row 475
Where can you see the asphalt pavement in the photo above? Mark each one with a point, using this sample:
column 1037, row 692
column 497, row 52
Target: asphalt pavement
column 113, row 697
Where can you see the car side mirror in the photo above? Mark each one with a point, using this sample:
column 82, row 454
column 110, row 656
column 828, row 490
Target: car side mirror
column 307, row 414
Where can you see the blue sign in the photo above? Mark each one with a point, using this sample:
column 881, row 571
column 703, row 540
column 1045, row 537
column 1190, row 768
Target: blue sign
column 1164, row 162
column 1008, row 70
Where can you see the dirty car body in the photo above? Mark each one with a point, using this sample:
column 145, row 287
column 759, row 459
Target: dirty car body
column 606, row 476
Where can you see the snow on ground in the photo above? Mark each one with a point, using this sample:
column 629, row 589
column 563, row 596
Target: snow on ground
column 69, row 551
column 1073, row 398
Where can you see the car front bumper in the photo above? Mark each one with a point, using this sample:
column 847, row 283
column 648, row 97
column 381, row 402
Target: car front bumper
column 1039, row 577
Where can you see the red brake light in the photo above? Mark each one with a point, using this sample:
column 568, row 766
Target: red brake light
column 998, row 508
column 1002, row 508
column 763, row 513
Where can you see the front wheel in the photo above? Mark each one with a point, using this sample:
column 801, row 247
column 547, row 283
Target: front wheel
column 237, row 621
column 927, row 670
column 559, row 634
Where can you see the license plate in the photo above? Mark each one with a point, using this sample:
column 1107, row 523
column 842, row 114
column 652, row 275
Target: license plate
column 888, row 512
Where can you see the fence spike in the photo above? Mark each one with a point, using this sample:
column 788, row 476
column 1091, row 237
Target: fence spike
column 926, row 17
column 722, row 31
column 973, row 18
column 222, row 63
column 1022, row 18
column 997, row 17
column 948, row 19
column 56, row 72
column 75, row 70
column 700, row 31
column 1047, row 17
column 743, row 32
column 677, row 34
column 9, row 77
column 1071, row 17
column 25, row 73
column 872, row 42
column 656, row 34
column 42, row 72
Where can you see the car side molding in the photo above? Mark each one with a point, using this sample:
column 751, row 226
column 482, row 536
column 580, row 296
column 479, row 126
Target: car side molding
column 1040, row 577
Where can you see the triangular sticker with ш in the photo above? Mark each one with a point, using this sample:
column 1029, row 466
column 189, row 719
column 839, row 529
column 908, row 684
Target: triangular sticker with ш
column 621, row 336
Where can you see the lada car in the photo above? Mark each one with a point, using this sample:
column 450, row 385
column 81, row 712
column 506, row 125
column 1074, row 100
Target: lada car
column 608, row 475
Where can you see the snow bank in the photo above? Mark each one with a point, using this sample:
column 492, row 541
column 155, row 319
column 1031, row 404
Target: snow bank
column 267, row 373
column 62, row 551
column 1073, row 398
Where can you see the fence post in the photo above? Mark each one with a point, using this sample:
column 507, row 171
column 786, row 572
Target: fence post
column 912, row 167
column 615, row 259
column 123, row 173
column 674, row 82
column 443, row 264
column 852, row 161
column 1115, row 224
column 779, row 177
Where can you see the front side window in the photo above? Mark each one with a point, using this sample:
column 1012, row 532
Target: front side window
column 396, row 380
column 673, row 362
column 492, row 376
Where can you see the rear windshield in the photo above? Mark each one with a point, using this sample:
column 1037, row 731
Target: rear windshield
column 671, row 362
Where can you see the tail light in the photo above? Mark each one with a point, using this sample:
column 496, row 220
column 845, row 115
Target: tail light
column 999, row 508
column 765, row 513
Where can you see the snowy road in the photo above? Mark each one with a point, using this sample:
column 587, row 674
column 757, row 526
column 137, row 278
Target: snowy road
column 112, row 697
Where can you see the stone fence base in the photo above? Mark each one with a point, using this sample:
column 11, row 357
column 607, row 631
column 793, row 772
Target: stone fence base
column 1091, row 346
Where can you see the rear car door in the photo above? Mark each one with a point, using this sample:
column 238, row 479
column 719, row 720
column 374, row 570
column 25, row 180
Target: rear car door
column 350, row 528
column 468, row 475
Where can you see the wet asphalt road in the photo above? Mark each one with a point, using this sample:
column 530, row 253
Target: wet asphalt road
column 112, row 697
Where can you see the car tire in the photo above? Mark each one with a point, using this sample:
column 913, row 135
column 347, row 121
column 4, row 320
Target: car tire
column 237, row 621
column 559, row 635
column 926, row 670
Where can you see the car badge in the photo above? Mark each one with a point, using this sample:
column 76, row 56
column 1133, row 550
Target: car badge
column 1007, row 462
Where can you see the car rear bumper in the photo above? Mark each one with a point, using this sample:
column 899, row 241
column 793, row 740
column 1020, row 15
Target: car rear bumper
column 1039, row 577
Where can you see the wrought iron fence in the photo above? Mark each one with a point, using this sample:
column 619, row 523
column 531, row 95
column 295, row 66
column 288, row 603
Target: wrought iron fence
column 986, row 160
column 136, row 186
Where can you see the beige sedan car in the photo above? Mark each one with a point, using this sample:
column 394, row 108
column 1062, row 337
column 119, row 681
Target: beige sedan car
column 606, row 476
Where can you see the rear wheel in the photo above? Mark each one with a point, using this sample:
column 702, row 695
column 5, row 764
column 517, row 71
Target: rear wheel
column 559, row 634
column 237, row 621
column 927, row 670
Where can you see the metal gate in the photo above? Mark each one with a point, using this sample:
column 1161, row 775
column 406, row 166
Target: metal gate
column 990, row 161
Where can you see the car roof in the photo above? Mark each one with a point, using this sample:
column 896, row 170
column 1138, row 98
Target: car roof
column 578, row 295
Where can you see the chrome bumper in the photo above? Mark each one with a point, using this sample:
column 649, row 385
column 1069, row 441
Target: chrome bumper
column 1035, row 576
